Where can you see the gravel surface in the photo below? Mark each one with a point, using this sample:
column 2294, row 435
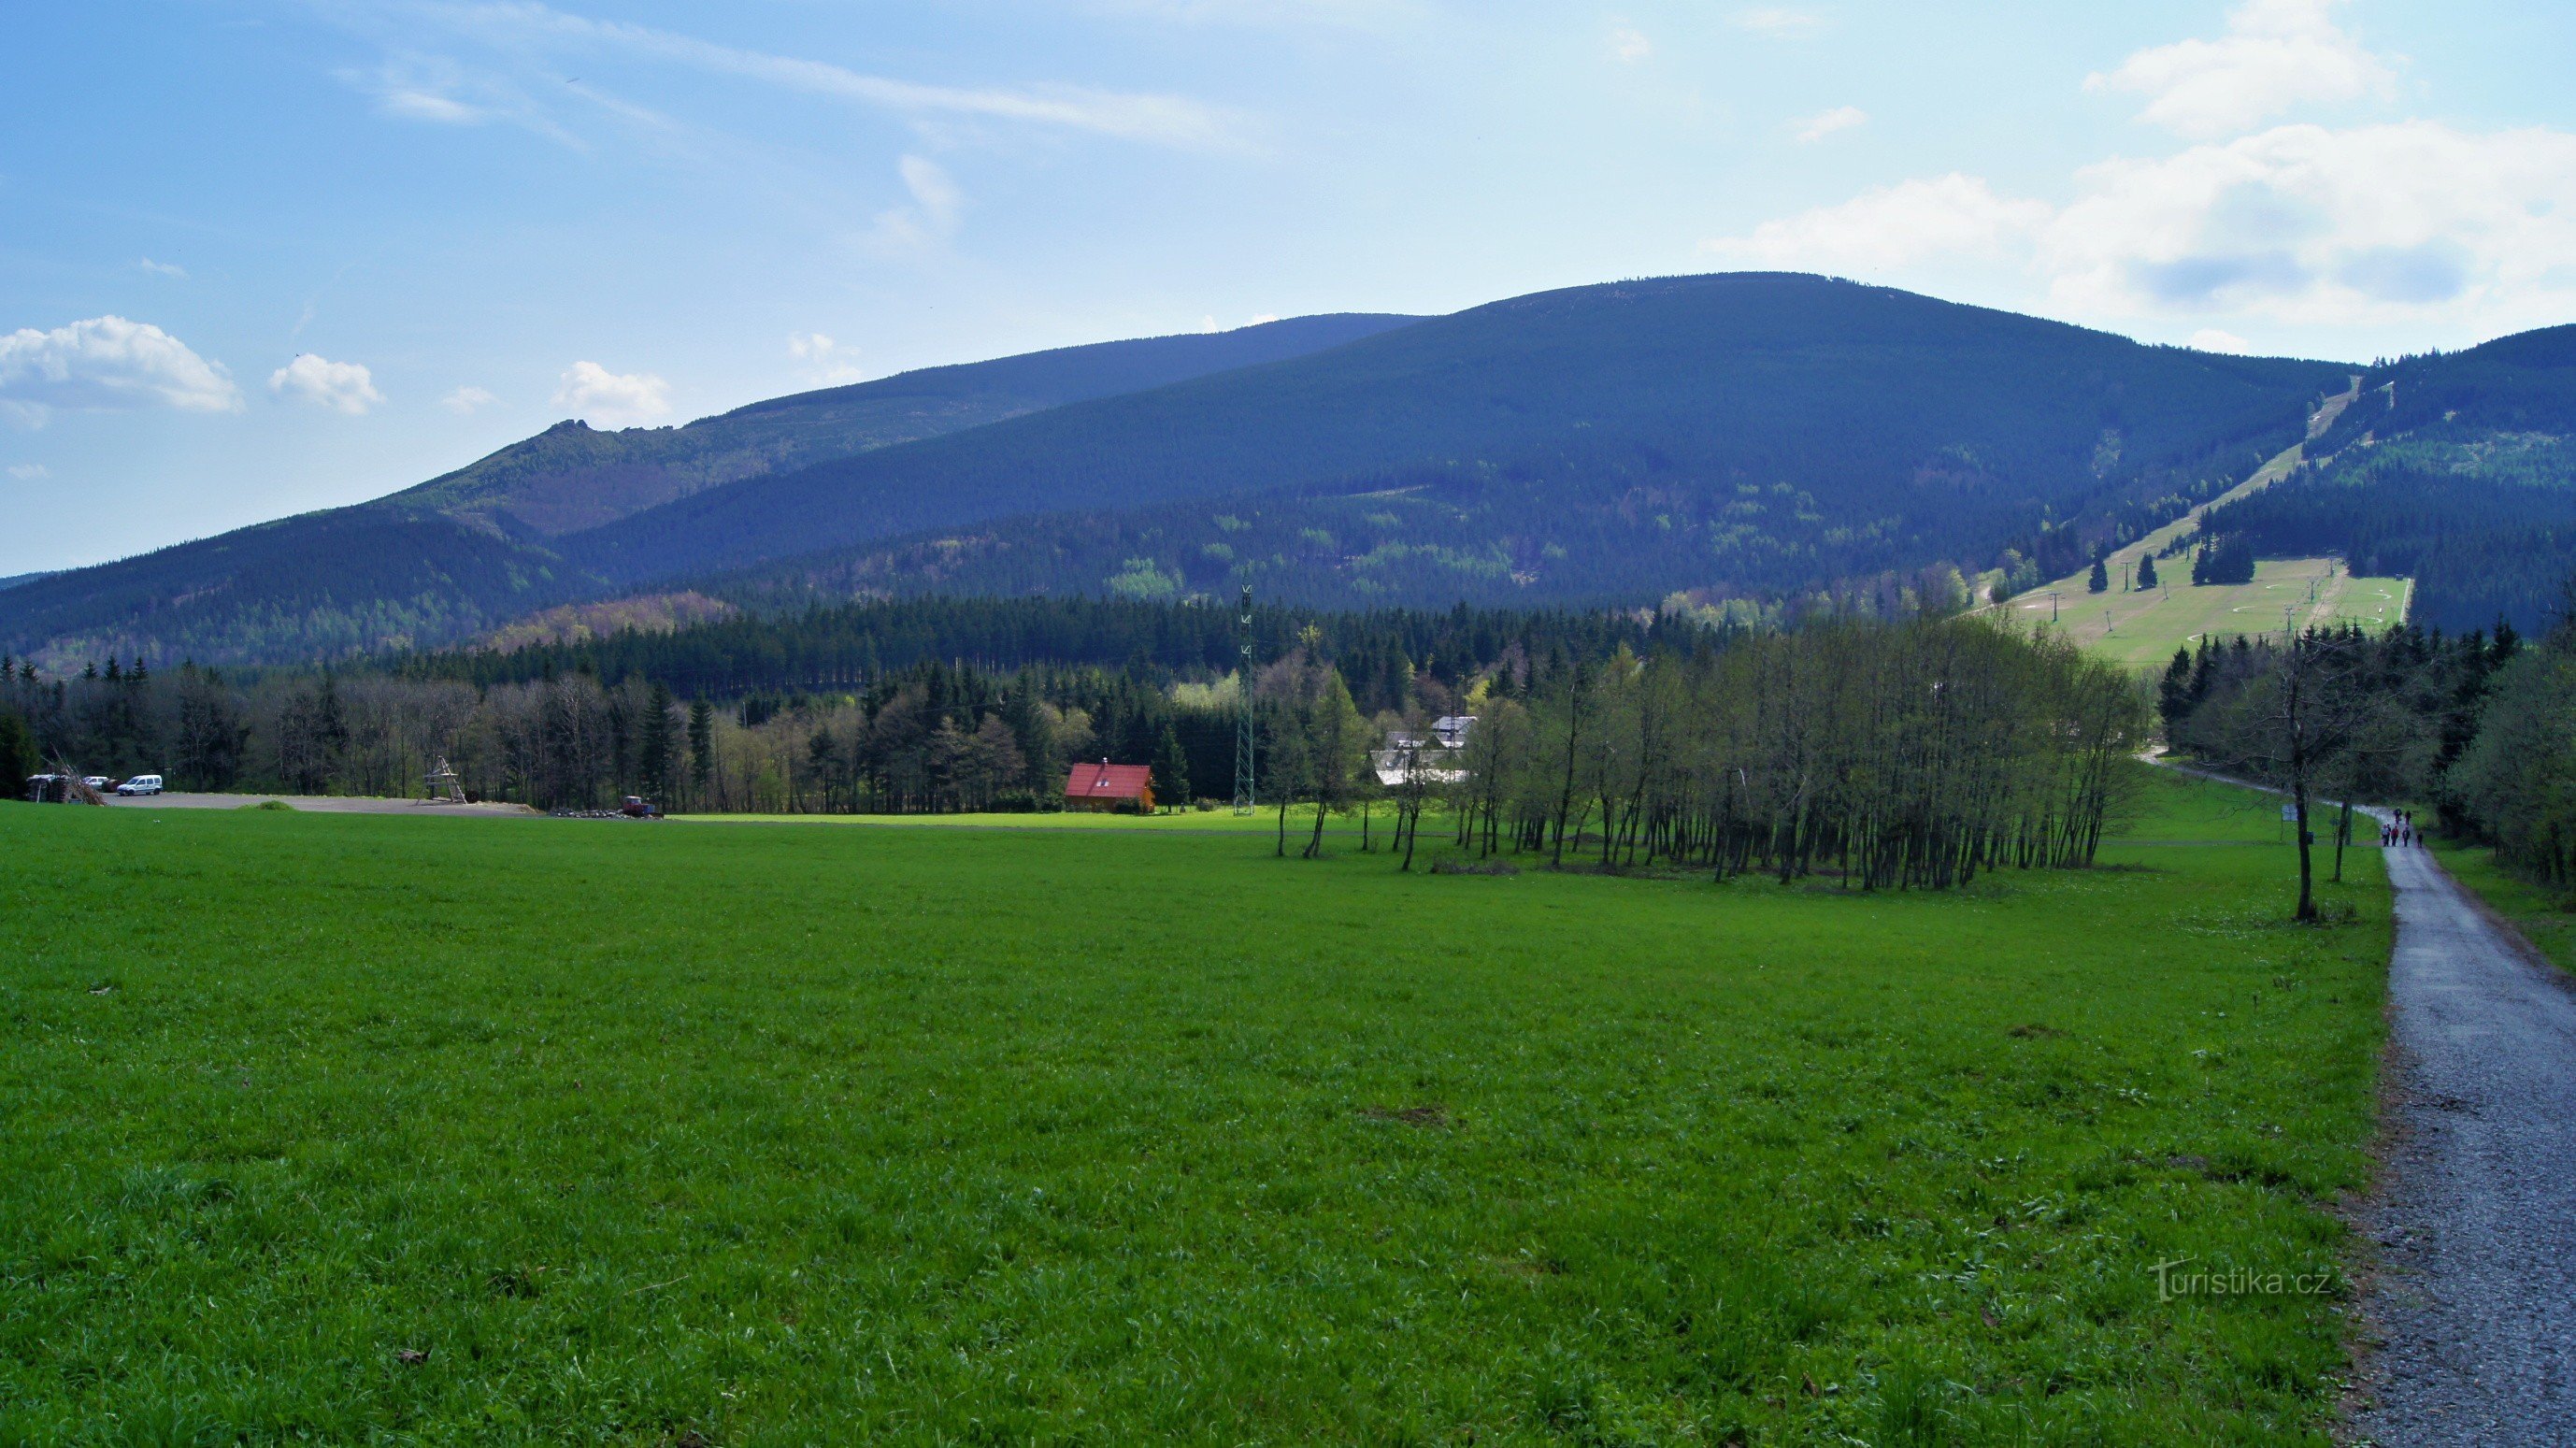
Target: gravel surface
column 2475, row 1302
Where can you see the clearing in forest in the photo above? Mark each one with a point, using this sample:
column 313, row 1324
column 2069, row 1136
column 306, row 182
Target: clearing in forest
column 340, row 1127
column 2142, row 630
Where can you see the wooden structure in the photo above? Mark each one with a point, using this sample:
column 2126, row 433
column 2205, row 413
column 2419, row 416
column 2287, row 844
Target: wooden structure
column 443, row 785
column 1107, row 787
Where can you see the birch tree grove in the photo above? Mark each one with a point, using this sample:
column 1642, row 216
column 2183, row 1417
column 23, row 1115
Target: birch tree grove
column 1895, row 756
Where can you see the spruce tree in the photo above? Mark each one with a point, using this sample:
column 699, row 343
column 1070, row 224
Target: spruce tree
column 2146, row 571
column 1171, row 771
column 2173, row 697
column 653, row 750
column 2100, row 581
column 702, row 749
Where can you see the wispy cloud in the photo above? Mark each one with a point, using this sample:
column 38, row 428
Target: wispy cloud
column 827, row 362
column 1629, row 45
column 164, row 269
column 2276, row 54
column 1825, row 123
column 1780, row 22
column 929, row 220
column 435, row 90
column 1157, row 119
column 29, row 472
column 1894, row 226
column 465, row 400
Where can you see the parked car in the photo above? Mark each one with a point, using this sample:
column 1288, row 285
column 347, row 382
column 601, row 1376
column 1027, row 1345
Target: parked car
column 141, row 784
column 97, row 781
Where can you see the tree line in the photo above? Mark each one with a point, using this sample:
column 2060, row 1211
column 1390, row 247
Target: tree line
column 2340, row 716
column 1891, row 755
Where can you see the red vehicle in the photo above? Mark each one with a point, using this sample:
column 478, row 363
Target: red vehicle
column 637, row 807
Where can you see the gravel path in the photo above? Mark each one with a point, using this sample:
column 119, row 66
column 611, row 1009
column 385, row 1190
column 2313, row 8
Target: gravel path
column 2476, row 1298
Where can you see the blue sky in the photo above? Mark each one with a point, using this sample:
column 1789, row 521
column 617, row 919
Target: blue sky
column 262, row 257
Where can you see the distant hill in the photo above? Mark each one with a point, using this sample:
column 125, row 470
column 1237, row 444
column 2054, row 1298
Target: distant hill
column 467, row 552
column 2457, row 470
column 571, row 477
column 1608, row 443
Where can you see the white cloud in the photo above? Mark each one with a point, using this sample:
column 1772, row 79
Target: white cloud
column 106, row 362
column 1263, row 319
column 928, row 220
column 2299, row 224
column 2306, row 224
column 2275, row 55
column 610, row 399
column 2218, row 339
column 465, row 400
column 1629, row 45
column 1158, row 119
column 164, row 269
column 1780, row 22
column 1893, row 226
column 828, row 362
column 343, row 387
column 29, row 472
column 1825, row 123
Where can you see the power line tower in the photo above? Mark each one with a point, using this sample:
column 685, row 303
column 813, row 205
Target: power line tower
column 1243, row 784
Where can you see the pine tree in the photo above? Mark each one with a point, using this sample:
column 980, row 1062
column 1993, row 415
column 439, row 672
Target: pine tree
column 2146, row 571
column 2100, row 581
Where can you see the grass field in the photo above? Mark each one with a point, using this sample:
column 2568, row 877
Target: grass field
column 2143, row 629
column 348, row 1129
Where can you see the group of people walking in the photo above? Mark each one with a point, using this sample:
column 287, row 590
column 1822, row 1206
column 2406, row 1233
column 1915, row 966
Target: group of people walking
column 2398, row 831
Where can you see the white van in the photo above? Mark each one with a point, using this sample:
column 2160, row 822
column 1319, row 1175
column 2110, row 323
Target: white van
column 141, row 784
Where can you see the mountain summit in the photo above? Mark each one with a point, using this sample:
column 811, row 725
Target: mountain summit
column 1749, row 432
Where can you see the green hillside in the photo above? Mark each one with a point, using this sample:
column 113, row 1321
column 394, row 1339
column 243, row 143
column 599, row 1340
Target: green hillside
column 571, row 477
column 2456, row 471
column 1745, row 431
column 468, row 551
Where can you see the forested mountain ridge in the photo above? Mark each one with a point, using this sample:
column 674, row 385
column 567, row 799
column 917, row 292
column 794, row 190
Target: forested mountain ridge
column 1757, row 432
column 2456, row 470
column 572, row 477
column 467, row 552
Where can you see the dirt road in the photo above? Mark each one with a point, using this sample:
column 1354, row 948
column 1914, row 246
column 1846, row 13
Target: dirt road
column 314, row 803
column 2476, row 1300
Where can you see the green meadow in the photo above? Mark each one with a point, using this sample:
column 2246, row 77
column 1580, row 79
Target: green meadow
column 362, row 1129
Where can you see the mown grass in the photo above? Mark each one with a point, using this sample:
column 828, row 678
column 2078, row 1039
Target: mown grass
column 351, row 1129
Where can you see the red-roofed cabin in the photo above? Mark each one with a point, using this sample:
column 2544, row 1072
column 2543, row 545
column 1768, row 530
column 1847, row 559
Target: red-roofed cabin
column 1107, row 786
